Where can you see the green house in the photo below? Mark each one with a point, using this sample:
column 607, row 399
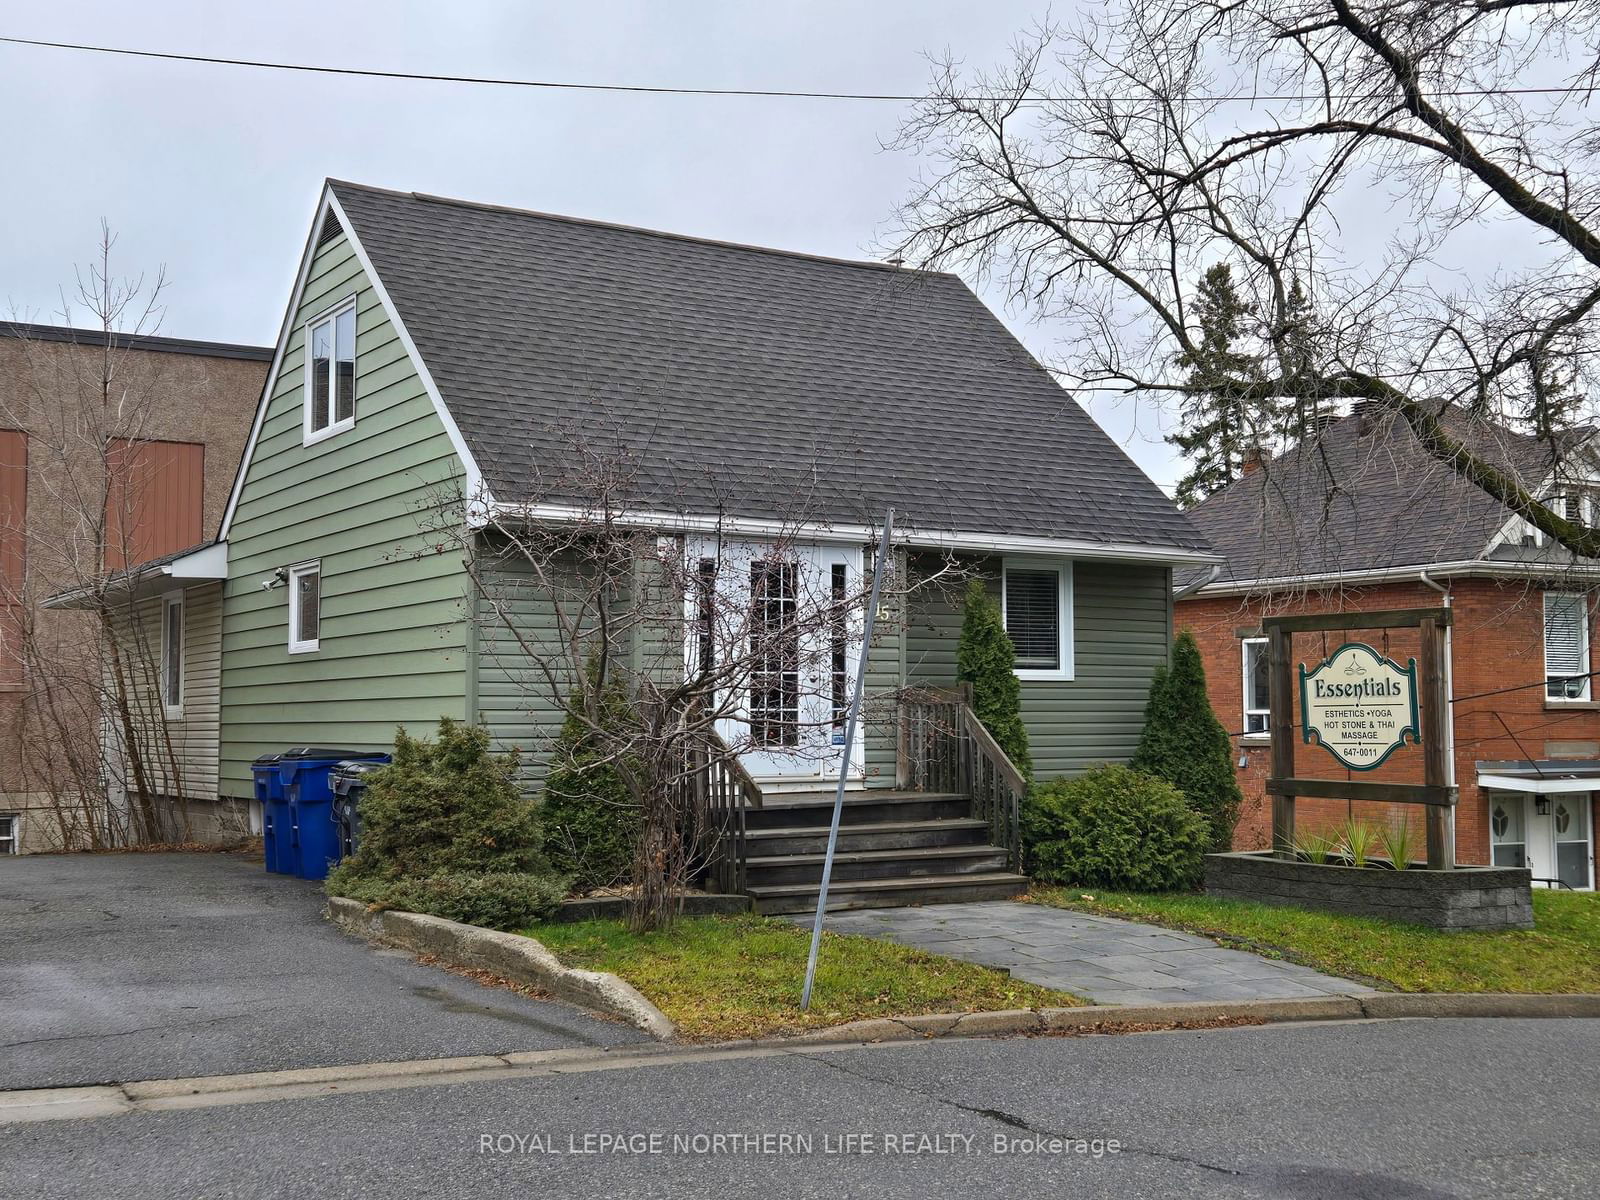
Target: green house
column 466, row 397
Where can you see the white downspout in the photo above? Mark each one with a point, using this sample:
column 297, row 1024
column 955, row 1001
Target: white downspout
column 1450, row 691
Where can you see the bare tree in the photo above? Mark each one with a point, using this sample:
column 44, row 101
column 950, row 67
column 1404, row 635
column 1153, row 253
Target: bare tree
column 1366, row 168
column 723, row 643
column 88, row 722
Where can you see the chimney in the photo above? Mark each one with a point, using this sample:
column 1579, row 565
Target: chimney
column 1254, row 456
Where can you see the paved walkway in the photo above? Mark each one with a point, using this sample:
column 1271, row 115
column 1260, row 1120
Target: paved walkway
column 1099, row 958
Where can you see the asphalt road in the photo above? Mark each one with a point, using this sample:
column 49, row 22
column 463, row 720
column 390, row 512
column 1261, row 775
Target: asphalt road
column 142, row 966
column 1402, row 1110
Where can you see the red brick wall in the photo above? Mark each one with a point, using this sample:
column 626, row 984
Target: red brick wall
column 1497, row 643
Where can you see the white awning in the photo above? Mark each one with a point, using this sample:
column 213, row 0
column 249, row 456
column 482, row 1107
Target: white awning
column 1547, row 785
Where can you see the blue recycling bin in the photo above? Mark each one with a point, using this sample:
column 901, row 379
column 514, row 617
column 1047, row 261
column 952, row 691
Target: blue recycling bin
column 276, row 837
column 314, row 833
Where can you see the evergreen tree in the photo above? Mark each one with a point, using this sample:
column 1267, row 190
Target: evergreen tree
column 1220, row 422
column 987, row 660
column 1185, row 744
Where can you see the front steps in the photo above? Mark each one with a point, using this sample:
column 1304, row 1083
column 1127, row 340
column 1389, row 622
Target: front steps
column 894, row 849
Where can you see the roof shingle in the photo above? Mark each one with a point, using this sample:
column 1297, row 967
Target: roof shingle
column 738, row 379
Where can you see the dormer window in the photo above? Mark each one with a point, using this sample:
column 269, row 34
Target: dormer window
column 330, row 404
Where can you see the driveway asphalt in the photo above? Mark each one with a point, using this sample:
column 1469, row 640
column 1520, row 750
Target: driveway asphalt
column 1394, row 1110
column 116, row 967
column 1099, row 958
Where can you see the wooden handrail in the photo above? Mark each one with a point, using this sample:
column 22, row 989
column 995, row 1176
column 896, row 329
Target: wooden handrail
column 992, row 750
column 944, row 747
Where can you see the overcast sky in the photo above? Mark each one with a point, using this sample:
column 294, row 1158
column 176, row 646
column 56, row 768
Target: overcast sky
column 213, row 171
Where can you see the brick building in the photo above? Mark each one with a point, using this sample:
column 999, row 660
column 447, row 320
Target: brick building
column 111, row 453
column 1360, row 518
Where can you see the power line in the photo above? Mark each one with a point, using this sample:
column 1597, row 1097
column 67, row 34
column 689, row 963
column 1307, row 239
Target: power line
column 756, row 93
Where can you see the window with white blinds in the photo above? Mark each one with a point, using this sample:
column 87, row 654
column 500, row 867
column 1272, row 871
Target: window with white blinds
column 1036, row 600
column 1566, row 646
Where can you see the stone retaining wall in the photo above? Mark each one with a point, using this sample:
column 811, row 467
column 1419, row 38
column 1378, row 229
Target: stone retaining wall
column 1465, row 898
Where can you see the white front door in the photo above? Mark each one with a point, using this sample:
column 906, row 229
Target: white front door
column 784, row 615
column 1548, row 834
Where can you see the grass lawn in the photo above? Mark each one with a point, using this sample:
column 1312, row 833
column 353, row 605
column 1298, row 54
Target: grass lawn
column 1561, row 955
column 733, row 977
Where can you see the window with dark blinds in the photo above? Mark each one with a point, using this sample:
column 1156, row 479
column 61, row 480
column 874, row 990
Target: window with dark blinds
column 1033, row 617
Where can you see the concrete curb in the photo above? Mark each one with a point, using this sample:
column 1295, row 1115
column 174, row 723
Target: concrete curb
column 509, row 955
column 1122, row 1017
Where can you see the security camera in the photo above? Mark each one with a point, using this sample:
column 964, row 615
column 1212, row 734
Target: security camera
column 281, row 575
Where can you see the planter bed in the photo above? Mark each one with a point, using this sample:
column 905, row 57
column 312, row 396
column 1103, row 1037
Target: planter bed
column 1465, row 898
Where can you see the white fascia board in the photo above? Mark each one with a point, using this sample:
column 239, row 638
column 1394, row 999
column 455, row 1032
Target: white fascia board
column 284, row 330
column 1534, row 783
column 755, row 527
column 210, row 563
column 479, row 502
column 1481, row 567
column 477, row 496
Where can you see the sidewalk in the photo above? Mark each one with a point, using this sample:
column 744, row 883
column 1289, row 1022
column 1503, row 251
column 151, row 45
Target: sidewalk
column 1099, row 958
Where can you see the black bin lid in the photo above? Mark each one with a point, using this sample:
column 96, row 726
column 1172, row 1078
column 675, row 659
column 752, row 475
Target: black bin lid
column 267, row 760
column 301, row 752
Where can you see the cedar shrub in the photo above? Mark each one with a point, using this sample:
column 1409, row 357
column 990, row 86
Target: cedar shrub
column 1185, row 744
column 1113, row 827
column 986, row 659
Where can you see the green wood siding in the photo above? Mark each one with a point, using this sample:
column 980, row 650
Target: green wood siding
column 511, row 697
column 1121, row 631
column 513, row 700
column 363, row 502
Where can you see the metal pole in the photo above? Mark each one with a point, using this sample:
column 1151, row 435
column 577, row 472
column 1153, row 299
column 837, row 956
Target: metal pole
column 844, row 762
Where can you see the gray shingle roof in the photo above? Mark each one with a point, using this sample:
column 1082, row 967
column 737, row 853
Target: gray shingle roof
column 745, row 380
column 1363, row 496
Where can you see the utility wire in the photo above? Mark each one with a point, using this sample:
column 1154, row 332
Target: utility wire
column 759, row 93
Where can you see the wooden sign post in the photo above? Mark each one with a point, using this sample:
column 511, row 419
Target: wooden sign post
column 1384, row 686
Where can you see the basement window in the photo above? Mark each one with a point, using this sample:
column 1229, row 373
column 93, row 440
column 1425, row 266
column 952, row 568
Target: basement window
column 8, row 833
column 1566, row 646
column 1036, row 603
column 305, row 608
column 330, row 404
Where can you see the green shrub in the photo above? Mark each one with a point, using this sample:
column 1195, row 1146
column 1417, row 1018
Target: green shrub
column 591, row 823
column 501, row 900
column 447, row 805
column 1185, row 744
column 1114, row 828
column 986, row 659
column 446, row 830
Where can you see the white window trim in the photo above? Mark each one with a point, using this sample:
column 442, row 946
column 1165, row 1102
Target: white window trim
column 1063, row 569
column 13, row 823
column 172, row 712
column 1245, row 710
column 310, row 645
column 1544, row 637
column 311, row 436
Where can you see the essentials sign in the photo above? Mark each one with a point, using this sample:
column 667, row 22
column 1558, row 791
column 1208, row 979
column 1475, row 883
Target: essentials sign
column 1359, row 706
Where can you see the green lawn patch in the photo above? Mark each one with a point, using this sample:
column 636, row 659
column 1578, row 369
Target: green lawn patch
column 1562, row 954
column 735, row 977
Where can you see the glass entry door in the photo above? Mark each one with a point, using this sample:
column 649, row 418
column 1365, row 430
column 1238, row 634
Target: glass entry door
column 781, row 624
column 1551, row 835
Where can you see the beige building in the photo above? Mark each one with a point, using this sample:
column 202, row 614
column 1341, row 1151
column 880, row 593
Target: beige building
column 113, row 452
